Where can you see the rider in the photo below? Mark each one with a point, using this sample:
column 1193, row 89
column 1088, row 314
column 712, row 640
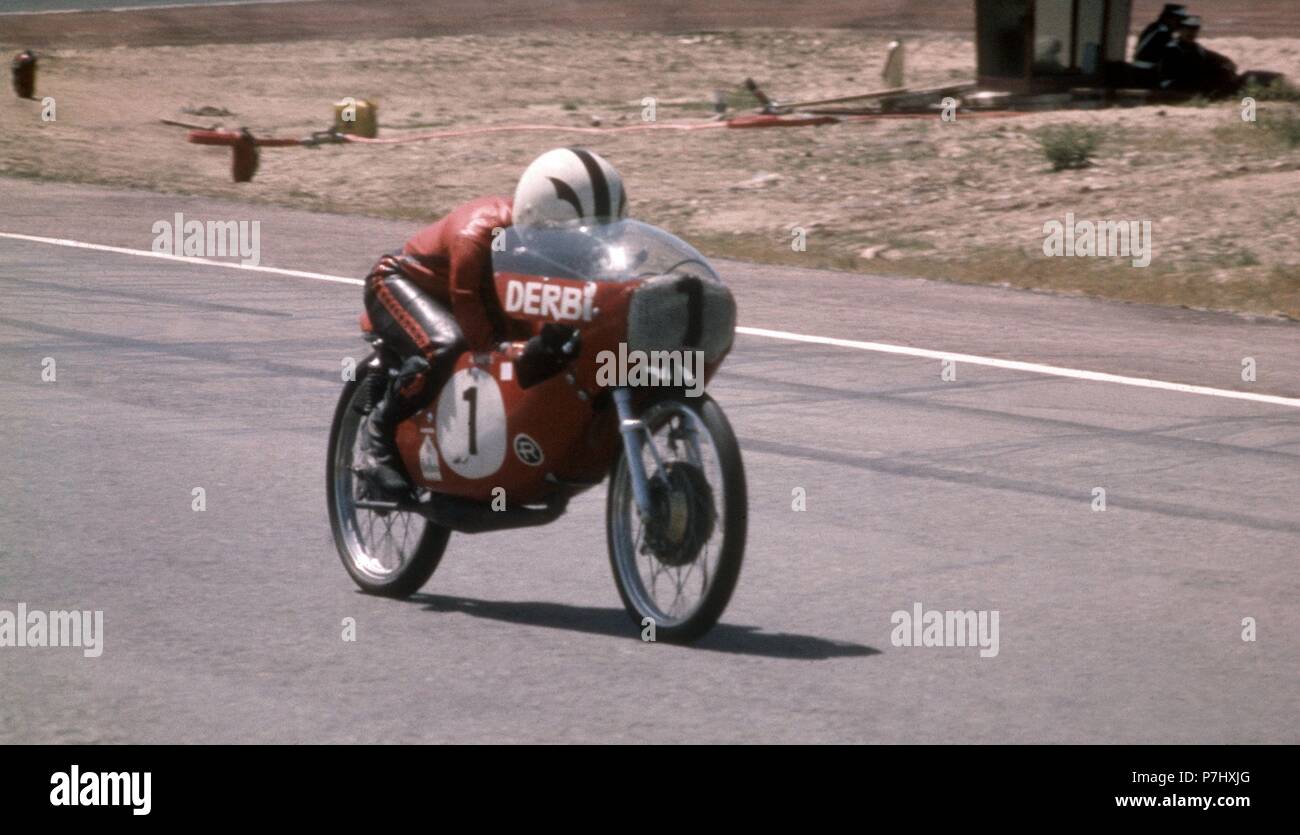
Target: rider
column 436, row 298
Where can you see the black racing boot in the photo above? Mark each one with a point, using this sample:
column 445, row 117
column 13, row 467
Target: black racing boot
column 383, row 471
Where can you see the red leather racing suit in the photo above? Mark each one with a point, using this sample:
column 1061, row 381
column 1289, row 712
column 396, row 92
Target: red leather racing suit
column 436, row 298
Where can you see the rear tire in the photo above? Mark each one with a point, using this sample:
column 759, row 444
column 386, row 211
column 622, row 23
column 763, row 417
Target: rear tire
column 362, row 536
column 627, row 546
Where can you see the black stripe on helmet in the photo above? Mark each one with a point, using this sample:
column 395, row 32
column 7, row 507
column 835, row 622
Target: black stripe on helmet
column 599, row 186
column 565, row 192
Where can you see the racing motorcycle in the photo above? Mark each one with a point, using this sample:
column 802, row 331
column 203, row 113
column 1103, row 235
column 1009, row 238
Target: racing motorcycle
column 512, row 436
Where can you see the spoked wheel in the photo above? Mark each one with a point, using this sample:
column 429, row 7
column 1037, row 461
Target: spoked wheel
column 388, row 552
column 679, row 565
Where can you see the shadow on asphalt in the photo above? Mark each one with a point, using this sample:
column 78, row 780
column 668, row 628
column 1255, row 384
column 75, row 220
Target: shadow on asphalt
column 725, row 637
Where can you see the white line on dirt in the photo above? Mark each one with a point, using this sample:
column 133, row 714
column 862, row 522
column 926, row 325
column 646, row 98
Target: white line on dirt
column 879, row 347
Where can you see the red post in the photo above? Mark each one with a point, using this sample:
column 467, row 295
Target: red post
column 245, row 157
column 24, row 74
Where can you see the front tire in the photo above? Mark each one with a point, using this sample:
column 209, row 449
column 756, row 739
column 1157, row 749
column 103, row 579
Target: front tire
column 680, row 567
column 388, row 553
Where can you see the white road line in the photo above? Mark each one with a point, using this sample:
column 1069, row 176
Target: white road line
column 1016, row 365
column 190, row 5
column 879, row 347
column 188, row 259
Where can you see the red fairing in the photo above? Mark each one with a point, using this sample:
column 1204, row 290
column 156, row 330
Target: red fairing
column 452, row 261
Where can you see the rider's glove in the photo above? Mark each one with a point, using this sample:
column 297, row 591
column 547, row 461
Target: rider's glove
column 545, row 354
column 562, row 340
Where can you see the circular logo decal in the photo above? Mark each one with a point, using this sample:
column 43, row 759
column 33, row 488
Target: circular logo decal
column 528, row 450
column 472, row 424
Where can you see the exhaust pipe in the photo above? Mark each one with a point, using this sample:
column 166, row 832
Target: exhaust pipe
column 468, row 516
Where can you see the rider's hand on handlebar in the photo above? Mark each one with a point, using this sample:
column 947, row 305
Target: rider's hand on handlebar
column 545, row 354
column 563, row 340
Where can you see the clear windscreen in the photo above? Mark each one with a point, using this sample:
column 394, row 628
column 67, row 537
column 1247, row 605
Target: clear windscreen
column 621, row 251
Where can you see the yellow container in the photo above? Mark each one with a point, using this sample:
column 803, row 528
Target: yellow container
column 357, row 117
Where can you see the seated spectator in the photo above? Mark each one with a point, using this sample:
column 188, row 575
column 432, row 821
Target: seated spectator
column 1186, row 65
column 1153, row 40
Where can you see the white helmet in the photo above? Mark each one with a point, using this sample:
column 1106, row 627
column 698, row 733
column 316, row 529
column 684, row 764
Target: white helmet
column 567, row 185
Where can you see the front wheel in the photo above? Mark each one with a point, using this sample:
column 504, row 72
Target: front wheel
column 679, row 565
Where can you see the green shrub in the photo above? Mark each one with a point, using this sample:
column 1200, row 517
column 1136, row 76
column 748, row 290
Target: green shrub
column 1069, row 146
column 1278, row 90
column 1283, row 127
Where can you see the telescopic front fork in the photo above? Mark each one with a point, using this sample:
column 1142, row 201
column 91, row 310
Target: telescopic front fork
column 635, row 435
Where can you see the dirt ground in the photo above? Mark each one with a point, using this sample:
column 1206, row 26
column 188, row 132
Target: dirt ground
column 963, row 201
column 353, row 19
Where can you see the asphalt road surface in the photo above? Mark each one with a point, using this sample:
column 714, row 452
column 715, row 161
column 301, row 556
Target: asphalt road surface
column 1122, row 625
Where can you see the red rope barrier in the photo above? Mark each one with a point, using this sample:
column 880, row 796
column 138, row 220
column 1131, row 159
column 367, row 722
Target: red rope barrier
column 229, row 137
column 246, row 145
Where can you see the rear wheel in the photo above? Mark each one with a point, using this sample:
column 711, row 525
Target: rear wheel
column 392, row 553
column 679, row 565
